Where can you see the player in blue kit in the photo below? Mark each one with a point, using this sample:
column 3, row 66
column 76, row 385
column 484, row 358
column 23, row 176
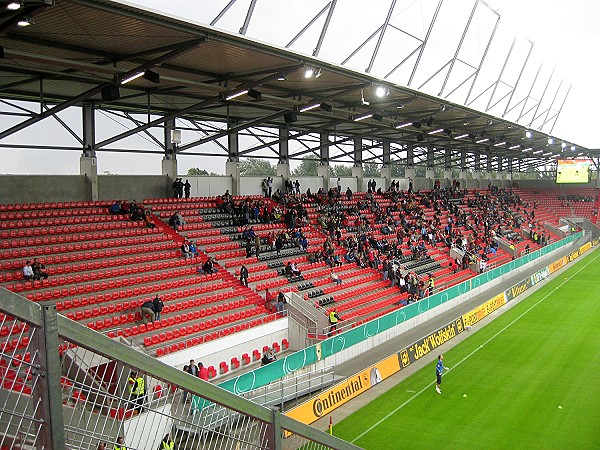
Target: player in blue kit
column 439, row 369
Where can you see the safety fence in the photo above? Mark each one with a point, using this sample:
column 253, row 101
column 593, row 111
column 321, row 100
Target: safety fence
column 68, row 387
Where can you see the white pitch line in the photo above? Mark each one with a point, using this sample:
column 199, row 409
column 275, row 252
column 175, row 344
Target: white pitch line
column 428, row 386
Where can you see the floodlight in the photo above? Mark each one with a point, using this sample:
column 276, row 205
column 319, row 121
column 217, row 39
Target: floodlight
column 436, row 131
column 563, row 145
column 25, row 21
column 528, row 134
column 480, row 141
column 135, row 76
column 236, row 94
column 550, row 141
column 573, row 148
column 404, row 125
column 13, row 6
column 363, row 117
column 309, row 107
column 462, row 136
column 381, row 91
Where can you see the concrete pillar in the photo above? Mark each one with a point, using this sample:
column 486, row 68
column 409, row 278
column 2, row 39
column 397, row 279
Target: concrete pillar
column 358, row 151
column 232, row 169
column 386, row 172
column 323, row 171
column 88, row 166
column 358, row 173
column 169, row 168
column 283, row 170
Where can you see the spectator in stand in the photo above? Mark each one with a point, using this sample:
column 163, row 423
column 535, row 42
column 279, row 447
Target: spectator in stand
column 148, row 312
column 149, row 219
column 297, row 187
column 185, row 250
column 39, row 270
column 158, row 307
column 115, row 208
column 208, row 267
column 244, row 276
column 268, row 357
column 167, row 443
column 333, row 321
column 187, row 187
column 335, row 277
column 193, row 370
column 176, row 221
column 349, row 194
column 280, row 305
column 28, row 271
column 270, row 300
column 202, row 372
column 295, row 270
column 193, row 249
column 264, row 188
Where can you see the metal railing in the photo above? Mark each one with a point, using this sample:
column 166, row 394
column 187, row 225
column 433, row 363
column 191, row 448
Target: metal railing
column 68, row 387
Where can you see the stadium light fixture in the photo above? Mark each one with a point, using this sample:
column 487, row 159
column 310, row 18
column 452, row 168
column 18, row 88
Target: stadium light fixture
column 254, row 94
column 382, row 91
column 403, row 125
column 512, row 147
column 309, row 107
column 528, row 149
column 152, row 76
column 130, row 78
column 528, row 134
column 312, row 72
column 25, row 21
column 436, row 131
column 499, row 144
column 563, row 145
column 550, row 141
column 363, row 117
column 537, row 152
column 462, row 136
column 573, row 148
column 236, row 94
column 481, row 141
column 547, row 154
column 14, row 6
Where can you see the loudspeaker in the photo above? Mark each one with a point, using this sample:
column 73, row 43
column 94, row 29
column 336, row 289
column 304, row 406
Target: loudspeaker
column 110, row 93
column 290, row 117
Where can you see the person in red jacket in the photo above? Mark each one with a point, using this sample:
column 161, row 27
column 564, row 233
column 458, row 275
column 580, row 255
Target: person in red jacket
column 202, row 372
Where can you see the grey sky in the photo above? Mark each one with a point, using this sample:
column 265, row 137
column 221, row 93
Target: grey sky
column 564, row 33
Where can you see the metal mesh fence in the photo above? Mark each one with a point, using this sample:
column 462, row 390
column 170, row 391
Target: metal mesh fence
column 111, row 395
column 19, row 376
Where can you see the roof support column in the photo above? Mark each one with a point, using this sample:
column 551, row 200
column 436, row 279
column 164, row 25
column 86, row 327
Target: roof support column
column 429, row 171
column 323, row 168
column 447, row 168
column 477, row 165
column 88, row 164
column 386, row 170
column 169, row 161
column 409, row 171
column 283, row 165
column 489, row 167
column 232, row 166
column 357, row 169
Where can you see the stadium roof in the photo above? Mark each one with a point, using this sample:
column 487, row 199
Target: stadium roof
column 77, row 51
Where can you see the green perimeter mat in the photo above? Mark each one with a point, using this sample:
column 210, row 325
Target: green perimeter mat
column 526, row 380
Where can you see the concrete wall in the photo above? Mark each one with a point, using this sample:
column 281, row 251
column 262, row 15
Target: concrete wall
column 346, row 182
column 206, row 186
column 131, row 187
column 42, row 188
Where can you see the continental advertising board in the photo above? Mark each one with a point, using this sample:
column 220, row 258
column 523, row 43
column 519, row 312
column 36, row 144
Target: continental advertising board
column 342, row 392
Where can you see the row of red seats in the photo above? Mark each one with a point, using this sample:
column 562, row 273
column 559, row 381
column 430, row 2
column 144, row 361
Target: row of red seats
column 235, row 363
column 67, row 213
column 156, row 261
column 378, row 309
column 356, row 300
column 52, row 205
column 160, row 273
column 24, row 228
column 95, row 285
column 161, row 337
column 48, row 251
column 54, row 239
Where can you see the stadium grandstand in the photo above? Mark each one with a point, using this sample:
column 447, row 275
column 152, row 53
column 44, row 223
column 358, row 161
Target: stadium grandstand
column 270, row 282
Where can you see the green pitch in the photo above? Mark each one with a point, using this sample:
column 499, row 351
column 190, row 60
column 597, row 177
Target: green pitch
column 541, row 354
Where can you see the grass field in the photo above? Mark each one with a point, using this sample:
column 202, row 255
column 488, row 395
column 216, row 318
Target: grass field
column 516, row 372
